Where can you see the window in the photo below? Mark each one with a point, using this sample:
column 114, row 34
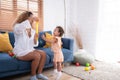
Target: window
column 10, row 9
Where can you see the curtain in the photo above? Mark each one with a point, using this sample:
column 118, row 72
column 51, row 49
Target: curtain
column 108, row 32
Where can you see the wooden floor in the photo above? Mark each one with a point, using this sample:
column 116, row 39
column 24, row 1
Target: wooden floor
column 47, row 72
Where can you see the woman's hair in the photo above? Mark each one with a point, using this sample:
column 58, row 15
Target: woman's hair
column 23, row 16
column 60, row 30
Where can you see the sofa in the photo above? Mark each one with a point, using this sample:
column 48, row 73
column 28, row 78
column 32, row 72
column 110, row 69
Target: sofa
column 10, row 66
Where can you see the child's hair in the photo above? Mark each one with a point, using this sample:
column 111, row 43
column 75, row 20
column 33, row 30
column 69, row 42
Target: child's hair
column 61, row 31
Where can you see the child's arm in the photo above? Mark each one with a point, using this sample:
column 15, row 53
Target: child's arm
column 48, row 40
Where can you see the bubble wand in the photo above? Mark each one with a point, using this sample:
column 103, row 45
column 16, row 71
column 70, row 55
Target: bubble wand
column 37, row 31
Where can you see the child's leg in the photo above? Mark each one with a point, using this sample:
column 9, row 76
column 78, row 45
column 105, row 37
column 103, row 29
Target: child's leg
column 55, row 67
column 59, row 68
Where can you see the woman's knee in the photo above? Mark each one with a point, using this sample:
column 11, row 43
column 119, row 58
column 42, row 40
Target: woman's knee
column 37, row 56
column 43, row 53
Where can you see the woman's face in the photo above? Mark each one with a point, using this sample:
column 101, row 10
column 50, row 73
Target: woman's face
column 56, row 32
column 31, row 18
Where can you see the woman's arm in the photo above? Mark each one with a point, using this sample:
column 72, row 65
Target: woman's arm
column 29, row 32
column 35, row 35
column 35, row 19
column 35, row 38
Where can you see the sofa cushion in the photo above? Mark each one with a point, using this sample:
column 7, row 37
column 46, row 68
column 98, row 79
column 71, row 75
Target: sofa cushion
column 7, row 63
column 68, row 56
column 49, row 37
column 5, row 45
column 12, row 38
column 47, row 60
column 68, row 43
column 24, row 65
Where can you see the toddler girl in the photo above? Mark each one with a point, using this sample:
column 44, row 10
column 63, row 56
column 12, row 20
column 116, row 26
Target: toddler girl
column 56, row 48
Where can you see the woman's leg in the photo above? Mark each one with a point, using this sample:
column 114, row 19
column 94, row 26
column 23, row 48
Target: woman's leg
column 42, row 60
column 41, row 64
column 35, row 58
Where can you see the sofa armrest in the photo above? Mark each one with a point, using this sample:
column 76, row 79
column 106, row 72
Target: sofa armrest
column 68, row 43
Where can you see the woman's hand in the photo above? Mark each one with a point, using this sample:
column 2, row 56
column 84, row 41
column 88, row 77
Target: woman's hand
column 36, row 19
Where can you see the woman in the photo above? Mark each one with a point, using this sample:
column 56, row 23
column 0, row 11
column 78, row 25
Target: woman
column 25, row 41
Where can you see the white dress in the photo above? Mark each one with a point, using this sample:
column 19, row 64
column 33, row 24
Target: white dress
column 23, row 43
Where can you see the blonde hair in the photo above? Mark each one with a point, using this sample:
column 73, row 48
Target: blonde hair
column 23, row 16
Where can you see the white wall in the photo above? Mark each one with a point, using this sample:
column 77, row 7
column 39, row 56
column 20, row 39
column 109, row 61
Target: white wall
column 87, row 21
column 53, row 13
column 108, row 32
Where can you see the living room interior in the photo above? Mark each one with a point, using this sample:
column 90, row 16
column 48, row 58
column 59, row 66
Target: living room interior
column 91, row 29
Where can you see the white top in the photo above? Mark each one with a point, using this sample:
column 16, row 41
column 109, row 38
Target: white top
column 23, row 43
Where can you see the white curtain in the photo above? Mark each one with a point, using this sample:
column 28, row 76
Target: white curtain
column 108, row 32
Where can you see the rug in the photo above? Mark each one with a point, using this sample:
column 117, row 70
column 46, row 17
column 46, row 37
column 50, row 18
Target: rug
column 103, row 71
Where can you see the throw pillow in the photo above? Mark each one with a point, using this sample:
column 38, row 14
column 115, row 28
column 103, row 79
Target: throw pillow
column 48, row 36
column 83, row 58
column 5, row 44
